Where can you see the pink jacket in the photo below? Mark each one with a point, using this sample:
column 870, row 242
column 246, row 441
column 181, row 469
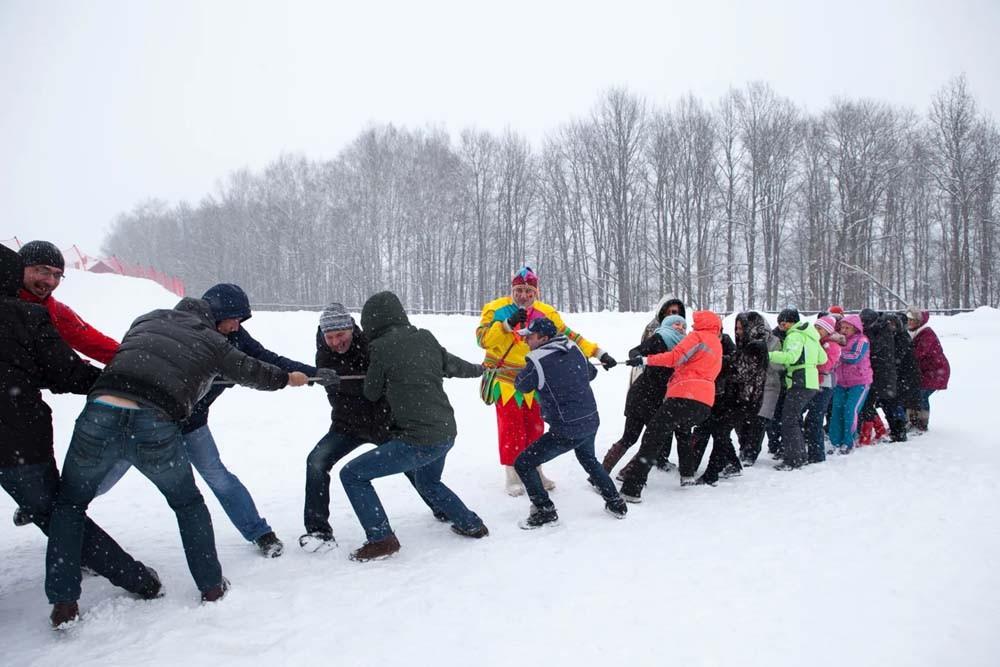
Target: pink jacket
column 855, row 365
column 833, row 350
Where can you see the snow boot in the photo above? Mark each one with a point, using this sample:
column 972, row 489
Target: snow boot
column 614, row 455
column 626, row 471
column 269, row 544
column 547, row 483
column 663, row 463
column 703, row 481
column 616, row 508
column 217, row 592
column 688, row 481
column 785, row 467
column 866, row 434
column 479, row 532
column 63, row 614
column 513, row 485
column 631, row 491
column 880, row 429
column 540, row 517
column 153, row 588
column 318, row 541
column 377, row 550
column 731, row 470
column 22, row 516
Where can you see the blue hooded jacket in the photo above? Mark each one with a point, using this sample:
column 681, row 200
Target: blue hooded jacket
column 229, row 301
column 560, row 375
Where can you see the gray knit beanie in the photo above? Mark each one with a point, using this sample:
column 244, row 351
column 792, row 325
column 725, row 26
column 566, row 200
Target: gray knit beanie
column 335, row 318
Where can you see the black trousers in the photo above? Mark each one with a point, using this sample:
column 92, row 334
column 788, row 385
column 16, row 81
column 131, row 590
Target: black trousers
column 675, row 416
column 719, row 427
column 750, row 433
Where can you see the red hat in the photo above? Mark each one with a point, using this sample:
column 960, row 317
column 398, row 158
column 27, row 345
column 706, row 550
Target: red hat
column 525, row 276
column 836, row 309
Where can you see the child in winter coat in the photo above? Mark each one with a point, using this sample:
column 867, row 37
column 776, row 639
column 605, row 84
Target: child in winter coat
column 817, row 408
column 697, row 361
column 801, row 354
column 560, row 376
column 854, row 377
column 935, row 370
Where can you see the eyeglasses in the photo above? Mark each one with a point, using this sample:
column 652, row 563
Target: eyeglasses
column 45, row 272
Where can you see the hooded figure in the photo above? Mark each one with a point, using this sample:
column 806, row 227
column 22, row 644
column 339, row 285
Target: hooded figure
column 697, row 362
column 407, row 367
column 647, row 386
column 935, row 371
column 751, row 433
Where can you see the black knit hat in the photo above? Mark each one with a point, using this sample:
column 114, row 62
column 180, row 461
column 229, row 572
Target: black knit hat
column 35, row 253
column 788, row 315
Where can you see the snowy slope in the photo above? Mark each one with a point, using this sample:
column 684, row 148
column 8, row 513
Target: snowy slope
column 882, row 558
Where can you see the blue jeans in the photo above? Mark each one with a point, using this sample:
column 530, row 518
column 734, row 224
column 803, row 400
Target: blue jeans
column 152, row 443
column 34, row 489
column 550, row 446
column 331, row 448
column 426, row 462
column 815, row 449
column 847, row 403
column 925, row 398
column 227, row 487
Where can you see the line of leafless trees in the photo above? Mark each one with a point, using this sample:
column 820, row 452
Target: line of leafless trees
column 745, row 203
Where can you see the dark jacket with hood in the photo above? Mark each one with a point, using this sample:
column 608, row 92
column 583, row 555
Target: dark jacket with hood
column 882, row 355
column 407, row 366
column 907, row 370
column 645, row 394
column 352, row 414
column 169, row 358
column 561, row 375
column 229, row 301
column 33, row 356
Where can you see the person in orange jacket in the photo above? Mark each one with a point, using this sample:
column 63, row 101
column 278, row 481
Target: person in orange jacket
column 44, row 268
column 697, row 361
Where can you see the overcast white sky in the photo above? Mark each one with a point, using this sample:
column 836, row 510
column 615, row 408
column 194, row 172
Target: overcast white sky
column 108, row 103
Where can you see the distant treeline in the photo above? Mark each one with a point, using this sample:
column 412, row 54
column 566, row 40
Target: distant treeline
column 748, row 202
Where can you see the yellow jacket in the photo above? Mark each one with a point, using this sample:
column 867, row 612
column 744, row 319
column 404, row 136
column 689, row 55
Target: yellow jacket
column 494, row 336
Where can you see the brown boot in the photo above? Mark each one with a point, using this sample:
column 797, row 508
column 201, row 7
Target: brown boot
column 626, row 472
column 216, row 593
column 63, row 613
column 614, row 455
column 383, row 548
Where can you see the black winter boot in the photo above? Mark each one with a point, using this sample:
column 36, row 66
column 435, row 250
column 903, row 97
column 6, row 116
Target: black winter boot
column 540, row 516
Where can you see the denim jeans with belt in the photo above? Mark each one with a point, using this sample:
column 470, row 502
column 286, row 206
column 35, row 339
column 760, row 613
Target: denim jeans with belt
column 152, row 443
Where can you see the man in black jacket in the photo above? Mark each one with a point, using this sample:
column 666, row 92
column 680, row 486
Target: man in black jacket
column 354, row 420
column 166, row 362
column 33, row 356
column 230, row 309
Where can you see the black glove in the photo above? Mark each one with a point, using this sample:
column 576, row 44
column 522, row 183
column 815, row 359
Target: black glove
column 520, row 317
column 327, row 377
column 633, row 353
column 636, row 360
column 608, row 361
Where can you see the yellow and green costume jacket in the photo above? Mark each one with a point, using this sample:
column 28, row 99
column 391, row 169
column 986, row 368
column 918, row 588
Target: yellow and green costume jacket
column 494, row 336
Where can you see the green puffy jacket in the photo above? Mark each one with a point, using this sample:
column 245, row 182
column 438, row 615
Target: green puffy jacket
column 801, row 353
column 407, row 366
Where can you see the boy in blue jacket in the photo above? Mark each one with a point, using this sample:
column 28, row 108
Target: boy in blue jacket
column 561, row 375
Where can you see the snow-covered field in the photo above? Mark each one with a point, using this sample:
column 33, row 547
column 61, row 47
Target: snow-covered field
column 884, row 558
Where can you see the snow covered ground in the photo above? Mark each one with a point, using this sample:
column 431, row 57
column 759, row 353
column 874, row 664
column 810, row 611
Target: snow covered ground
column 887, row 557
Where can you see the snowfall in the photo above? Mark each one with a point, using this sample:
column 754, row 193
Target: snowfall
column 887, row 557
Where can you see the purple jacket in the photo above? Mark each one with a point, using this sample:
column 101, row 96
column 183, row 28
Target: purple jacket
column 855, row 367
column 934, row 368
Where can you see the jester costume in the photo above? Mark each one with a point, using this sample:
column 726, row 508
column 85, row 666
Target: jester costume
column 519, row 418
